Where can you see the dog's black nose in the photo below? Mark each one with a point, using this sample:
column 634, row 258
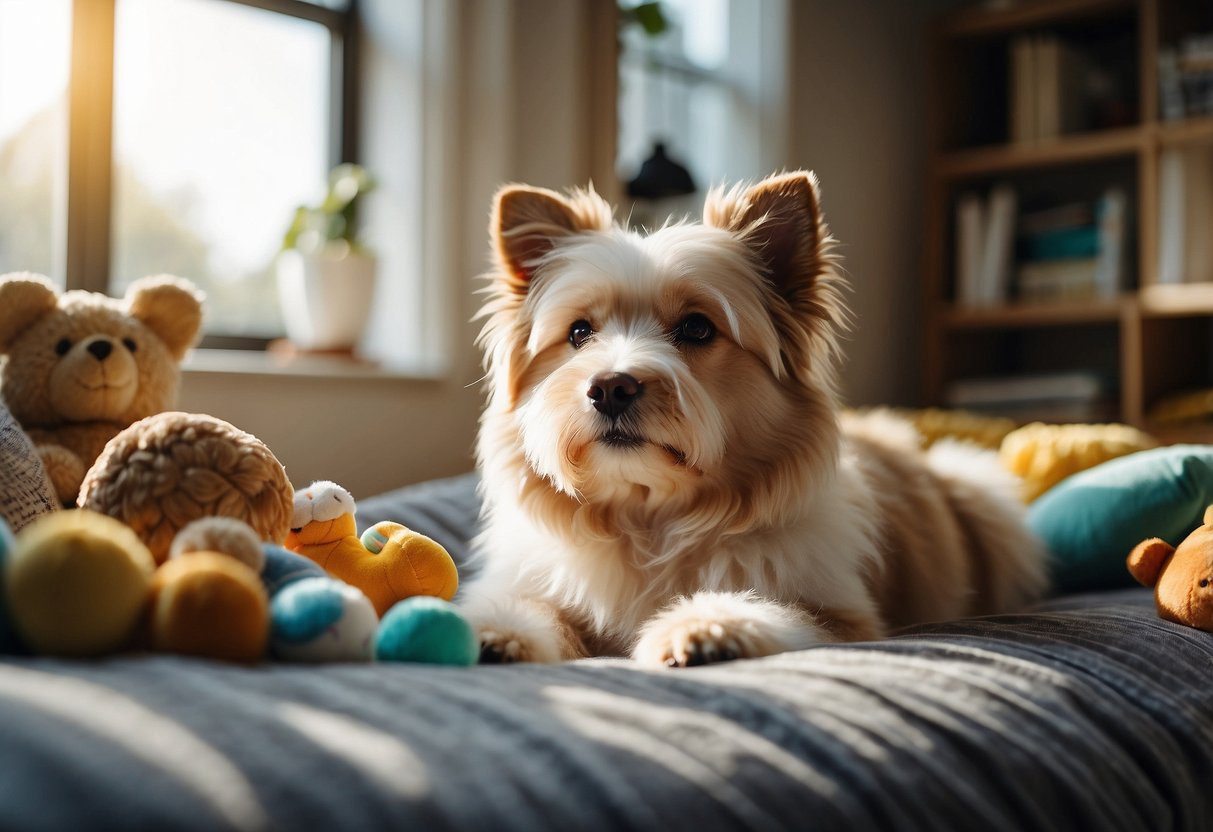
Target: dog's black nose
column 613, row 393
column 101, row 349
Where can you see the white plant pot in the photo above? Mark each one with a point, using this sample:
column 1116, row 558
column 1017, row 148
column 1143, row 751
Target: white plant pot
column 325, row 297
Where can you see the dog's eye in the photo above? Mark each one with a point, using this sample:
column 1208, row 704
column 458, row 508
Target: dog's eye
column 695, row 329
column 579, row 333
column 63, row 346
column 130, row 344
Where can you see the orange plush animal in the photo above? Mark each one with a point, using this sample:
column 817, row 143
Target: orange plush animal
column 389, row 563
column 1182, row 577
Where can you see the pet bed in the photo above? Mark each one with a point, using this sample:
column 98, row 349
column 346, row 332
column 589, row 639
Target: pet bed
column 1089, row 713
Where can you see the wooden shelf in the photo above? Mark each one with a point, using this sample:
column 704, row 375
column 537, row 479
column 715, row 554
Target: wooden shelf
column 976, row 21
column 1077, row 148
column 1153, row 340
column 1034, row 315
column 1186, row 131
column 1176, row 300
column 1193, row 433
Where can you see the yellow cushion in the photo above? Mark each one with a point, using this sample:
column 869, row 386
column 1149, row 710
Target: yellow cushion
column 1044, row 455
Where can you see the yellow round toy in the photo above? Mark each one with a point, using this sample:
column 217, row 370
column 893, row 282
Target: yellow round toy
column 77, row 584
column 389, row 563
column 209, row 604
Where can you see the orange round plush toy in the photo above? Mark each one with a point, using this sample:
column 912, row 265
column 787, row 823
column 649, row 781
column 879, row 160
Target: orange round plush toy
column 1182, row 577
column 389, row 563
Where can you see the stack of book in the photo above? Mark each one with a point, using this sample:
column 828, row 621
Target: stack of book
column 1185, row 215
column 1048, row 397
column 1048, row 85
column 985, row 235
column 1185, row 78
column 1069, row 252
column 1072, row 252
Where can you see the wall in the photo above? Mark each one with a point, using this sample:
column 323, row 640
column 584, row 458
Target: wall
column 858, row 90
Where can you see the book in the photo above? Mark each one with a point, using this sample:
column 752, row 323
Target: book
column 997, row 247
column 1109, row 271
column 970, row 225
column 1023, row 90
column 1058, row 280
column 1024, row 389
column 1185, row 215
column 1049, row 81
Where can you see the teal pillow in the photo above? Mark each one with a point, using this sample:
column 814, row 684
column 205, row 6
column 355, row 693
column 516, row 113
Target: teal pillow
column 1092, row 520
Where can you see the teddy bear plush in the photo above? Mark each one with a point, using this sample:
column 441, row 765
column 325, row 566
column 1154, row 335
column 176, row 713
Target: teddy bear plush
column 79, row 366
column 1182, row 576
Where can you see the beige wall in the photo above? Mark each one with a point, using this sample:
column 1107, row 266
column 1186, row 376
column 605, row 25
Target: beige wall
column 858, row 90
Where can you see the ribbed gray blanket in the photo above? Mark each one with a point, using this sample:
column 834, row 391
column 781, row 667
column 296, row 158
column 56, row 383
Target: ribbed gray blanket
column 1087, row 714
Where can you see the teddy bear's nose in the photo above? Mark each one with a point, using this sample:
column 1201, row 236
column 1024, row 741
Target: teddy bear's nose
column 101, row 349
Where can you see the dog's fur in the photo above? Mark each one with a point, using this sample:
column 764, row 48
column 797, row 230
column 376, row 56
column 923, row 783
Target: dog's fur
column 752, row 519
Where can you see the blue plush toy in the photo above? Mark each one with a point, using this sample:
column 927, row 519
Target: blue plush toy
column 321, row 619
column 314, row 617
column 426, row 630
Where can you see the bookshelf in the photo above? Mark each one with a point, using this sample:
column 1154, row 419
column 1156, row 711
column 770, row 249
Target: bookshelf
column 1151, row 340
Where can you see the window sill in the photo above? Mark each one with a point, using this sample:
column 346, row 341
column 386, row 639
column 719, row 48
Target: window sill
column 260, row 363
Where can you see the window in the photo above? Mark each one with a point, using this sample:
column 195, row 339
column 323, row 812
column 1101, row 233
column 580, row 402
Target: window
column 187, row 132
column 35, row 46
column 711, row 88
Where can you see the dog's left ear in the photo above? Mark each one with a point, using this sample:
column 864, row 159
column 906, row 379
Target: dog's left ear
column 528, row 222
column 781, row 219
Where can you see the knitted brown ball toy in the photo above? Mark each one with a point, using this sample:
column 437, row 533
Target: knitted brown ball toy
column 167, row 470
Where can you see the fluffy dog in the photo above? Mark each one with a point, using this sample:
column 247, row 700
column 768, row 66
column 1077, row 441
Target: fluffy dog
column 665, row 471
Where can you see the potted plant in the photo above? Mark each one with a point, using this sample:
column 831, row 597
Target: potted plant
column 326, row 278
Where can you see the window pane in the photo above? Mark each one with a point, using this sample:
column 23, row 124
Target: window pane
column 35, row 56
column 220, row 130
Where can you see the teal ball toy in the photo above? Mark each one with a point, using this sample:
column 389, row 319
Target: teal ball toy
column 426, row 630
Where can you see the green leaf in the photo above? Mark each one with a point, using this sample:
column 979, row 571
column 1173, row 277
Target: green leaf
column 651, row 18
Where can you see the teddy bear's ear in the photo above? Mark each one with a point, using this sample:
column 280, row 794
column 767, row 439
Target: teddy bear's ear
column 24, row 298
column 1147, row 558
column 170, row 307
column 1208, row 521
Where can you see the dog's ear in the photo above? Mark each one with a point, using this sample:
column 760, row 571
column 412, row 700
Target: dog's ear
column 781, row 219
column 527, row 222
column 1146, row 560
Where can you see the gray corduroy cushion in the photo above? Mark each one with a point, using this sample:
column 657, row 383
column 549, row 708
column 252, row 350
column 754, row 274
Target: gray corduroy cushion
column 1089, row 713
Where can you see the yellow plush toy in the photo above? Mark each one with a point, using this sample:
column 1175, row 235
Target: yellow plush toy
column 389, row 563
column 208, row 599
column 77, row 584
column 1043, row 455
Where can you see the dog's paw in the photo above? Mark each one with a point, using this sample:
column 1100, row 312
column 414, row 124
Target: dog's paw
column 512, row 631
column 714, row 627
column 511, row 647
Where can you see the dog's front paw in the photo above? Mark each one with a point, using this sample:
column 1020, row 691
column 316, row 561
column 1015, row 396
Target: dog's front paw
column 713, row 627
column 508, row 647
column 512, row 630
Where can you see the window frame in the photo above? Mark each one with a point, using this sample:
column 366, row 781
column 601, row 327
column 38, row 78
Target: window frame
column 88, row 225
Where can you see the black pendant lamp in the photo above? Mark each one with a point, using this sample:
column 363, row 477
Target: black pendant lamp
column 661, row 177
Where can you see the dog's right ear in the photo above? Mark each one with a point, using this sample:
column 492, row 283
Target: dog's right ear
column 24, row 298
column 528, row 222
